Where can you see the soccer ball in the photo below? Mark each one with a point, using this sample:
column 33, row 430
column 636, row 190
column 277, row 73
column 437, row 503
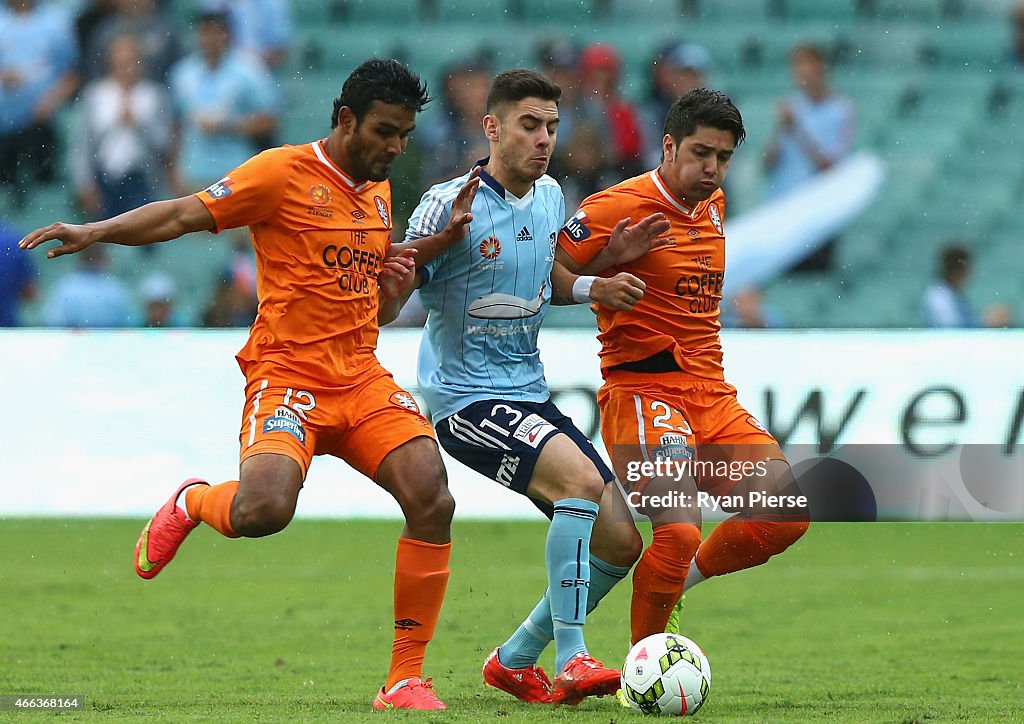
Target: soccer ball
column 666, row 674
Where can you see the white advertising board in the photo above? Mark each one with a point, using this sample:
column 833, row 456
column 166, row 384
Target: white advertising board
column 108, row 423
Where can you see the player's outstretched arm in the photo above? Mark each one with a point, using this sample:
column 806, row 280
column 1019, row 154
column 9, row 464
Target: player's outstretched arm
column 620, row 292
column 396, row 281
column 627, row 242
column 431, row 247
column 158, row 221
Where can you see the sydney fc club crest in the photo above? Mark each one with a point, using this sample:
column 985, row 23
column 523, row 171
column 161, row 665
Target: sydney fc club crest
column 716, row 218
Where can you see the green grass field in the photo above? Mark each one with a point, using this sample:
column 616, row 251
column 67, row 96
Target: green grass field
column 876, row 622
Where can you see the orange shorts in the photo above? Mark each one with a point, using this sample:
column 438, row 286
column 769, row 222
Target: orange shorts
column 360, row 423
column 676, row 416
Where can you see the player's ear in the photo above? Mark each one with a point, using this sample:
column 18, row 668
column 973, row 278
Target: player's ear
column 669, row 148
column 491, row 125
column 347, row 119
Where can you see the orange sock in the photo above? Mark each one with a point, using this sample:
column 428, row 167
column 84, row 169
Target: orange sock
column 658, row 577
column 737, row 544
column 421, row 577
column 211, row 504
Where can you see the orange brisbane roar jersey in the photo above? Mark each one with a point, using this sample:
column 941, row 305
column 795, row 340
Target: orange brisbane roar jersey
column 679, row 310
column 320, row 239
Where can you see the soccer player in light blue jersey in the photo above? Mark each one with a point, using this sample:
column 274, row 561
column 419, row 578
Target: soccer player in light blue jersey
column 481, row 375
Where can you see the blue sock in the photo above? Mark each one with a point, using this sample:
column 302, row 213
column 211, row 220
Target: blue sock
column 568, row 562
column 524, row 647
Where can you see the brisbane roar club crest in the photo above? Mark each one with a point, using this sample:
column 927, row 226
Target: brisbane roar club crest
column 404, row 399
column 382, row 209
column 490, row 247
column 716, row 218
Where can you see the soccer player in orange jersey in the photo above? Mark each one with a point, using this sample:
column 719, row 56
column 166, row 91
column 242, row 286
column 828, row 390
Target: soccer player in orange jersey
column 320, row 218
column 665, row 399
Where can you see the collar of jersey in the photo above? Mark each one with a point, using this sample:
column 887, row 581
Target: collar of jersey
column 502, row 192
column 663, row 188
column 326, row 160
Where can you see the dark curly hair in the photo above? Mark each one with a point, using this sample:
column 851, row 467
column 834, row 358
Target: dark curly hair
column 382, row 80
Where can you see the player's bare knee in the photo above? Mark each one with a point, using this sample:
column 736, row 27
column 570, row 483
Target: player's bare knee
column 255, row 516
column 583, row 482
column 618, row 545
column 427, row 504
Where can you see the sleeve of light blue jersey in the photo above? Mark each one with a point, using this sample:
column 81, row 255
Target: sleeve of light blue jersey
column 430, row 216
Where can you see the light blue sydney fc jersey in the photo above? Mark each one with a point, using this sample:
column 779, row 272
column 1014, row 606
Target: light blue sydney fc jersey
column 487, row 296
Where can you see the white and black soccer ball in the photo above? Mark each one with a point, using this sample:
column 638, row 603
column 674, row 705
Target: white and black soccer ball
column 666, row 674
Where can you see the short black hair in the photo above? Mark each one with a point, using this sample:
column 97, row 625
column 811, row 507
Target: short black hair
column 220, row 17
column 953, row 261
column 511, row 86
column 704, row 107
column 384, row 80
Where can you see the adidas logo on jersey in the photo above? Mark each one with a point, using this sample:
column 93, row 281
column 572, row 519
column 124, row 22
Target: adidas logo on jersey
column 524, row 235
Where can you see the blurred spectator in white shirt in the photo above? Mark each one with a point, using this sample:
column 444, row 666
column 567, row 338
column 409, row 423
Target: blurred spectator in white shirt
column 121, row 136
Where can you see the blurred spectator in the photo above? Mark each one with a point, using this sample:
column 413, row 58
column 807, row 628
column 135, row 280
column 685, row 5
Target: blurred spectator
column 17, row 278
column 90, row 16
column 37, row 76
column 262, row 29
column 584, row 166
column 158, row 294
column 158, row 37
column 815, row 128
column 746, row 310
column 453, row 140
column 1017, row 21
column 603, row 106
column 234, row 302
column 224, row 101
column 557, row 60
column 121, row 137
column 944, row 304
column 89, row 296
column 676, row 68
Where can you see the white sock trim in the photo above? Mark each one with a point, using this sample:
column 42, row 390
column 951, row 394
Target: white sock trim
column 180, row 500
column 693, row 577
column 398, row 686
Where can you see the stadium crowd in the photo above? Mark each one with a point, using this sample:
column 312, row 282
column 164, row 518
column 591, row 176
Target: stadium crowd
column 123, row 102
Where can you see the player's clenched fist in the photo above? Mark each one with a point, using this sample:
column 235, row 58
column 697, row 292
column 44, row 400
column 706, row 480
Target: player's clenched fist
column 621, row 292
column 397, row 277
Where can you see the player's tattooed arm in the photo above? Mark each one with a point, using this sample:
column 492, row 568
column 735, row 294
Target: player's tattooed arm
column 461, row 216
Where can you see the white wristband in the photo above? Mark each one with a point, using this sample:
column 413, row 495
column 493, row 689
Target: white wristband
column 581, row 289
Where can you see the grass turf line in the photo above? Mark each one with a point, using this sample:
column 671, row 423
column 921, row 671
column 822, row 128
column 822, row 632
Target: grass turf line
column 893, row 622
